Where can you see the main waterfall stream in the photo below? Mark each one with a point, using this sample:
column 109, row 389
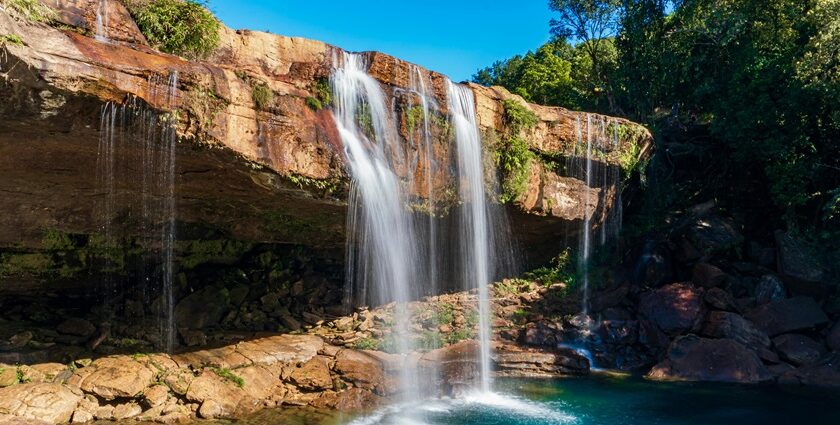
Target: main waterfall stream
column 392, row 259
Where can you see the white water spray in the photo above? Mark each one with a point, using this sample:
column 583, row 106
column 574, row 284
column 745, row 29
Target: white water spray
column 475, row 229
column 382, row 237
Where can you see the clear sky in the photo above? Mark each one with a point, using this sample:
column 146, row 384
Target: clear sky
column 455, row 37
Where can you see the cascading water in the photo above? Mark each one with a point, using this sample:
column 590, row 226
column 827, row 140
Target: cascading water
column 135, row 127
column 381, row 243
column 475, row 227
column 101, row 21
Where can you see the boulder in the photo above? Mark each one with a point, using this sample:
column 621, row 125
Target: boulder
column 51, row 403
column 708, row 276
column 513, row 361
column 156, row 395
column 76, row 326
column 719, row 299
column 769, row 288
column 824, row 373
column 541, row 334
column 202, row 308
column 361, row 369
column 833, row 338
column 226, row 397
column 714, row 233
column 797, row 262
column 673, row 308
column 312, row 375
column 691, row 358
column 114, row 377
column 349, row 400
column 723, row 324
column 797, row 349
column 788, row 315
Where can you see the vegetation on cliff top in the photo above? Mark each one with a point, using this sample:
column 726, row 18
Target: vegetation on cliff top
column 512, row 153
column 752, row 85
column 181, row 27
column 33, row 10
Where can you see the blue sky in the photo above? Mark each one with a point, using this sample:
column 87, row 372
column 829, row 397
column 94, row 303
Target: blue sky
column 455, row 37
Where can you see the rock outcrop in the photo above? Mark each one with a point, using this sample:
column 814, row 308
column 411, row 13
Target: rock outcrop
column 276, row 166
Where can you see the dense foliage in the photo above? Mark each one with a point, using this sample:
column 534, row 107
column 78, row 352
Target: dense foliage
column 761, row 78
column 182, row 27
column 33, row 10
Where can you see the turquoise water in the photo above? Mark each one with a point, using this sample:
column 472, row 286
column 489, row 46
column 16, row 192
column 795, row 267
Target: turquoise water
column 603, row 401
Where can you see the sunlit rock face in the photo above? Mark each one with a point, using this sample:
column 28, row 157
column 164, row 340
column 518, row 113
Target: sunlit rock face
column 268, row 171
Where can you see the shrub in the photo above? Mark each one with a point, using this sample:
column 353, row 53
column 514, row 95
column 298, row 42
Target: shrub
column 182, row 27
column 314, row 104
column 262, row 96
column 518, row 117
column 30, row 9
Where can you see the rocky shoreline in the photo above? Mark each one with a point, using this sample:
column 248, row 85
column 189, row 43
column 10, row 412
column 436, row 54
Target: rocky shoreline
column 268, row 371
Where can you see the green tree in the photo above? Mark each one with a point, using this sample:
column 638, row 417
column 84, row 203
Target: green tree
column 592, row 23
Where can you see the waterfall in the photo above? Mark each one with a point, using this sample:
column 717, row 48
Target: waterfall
column 134, row 127
column 475, row 229
column 587, row 219
column 101, row 21
column 381, row 241
column 600, row 136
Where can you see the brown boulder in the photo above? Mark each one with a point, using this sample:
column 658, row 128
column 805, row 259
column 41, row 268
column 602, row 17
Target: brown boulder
column 691, row 358
column 798, row 263
column 114, row 377
column 720, row 300
column 361, row 369
column 674, row 308
column 770, row 288
column 227, row 399
column 789, row 315
column 352, row 399
column 797, row 349
column 723, row 324
column 52, row 403
column 76, row 326
column 312, row 375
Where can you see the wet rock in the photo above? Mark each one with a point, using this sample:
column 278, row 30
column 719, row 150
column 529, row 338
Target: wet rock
column 824, row 373
column 798, row 349
column 619, row 332
column 114, row 377
column 77, row 327
column 788, row 315
column 349, row 400
column 193, row 337
column 117, row 22
column 797, row 262
column 708, row 276
column 361, row 369
column 833, row 338
column 674, row 308
column 712, row 233
column 692, row 358
column 518, row 362
column 762, row 255
column 51, row 403
column 541, row 334
column 719, row 299
column 723, row 324
column 290, row 322
column 312, row 375
column 202, row 308
column 769, row 288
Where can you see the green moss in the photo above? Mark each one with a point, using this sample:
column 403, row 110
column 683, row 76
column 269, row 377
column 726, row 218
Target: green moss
column 32, row 10
column 413, row 117
column 460, row 335
column 518, row 117
column 262, row 96
column 194, row 253
column 364, row 119
column 182, row 27
column 324, row 92
column 561, row 270
column 514, row 158
column 314, row 104
column 13, row 39
column 631, row 137
column 228, row 375
column 366, row 344
column 443, row 314
column 25, row 264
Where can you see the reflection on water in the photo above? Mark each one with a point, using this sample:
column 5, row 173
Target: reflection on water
column 602, row 400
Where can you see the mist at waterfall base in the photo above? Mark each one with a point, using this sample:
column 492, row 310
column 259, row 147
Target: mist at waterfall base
column 600, row 400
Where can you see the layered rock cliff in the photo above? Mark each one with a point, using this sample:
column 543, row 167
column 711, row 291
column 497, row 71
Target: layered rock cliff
column 265, row 168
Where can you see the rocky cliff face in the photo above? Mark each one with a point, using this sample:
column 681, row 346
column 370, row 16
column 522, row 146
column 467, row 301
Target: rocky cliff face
column 267, row 169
